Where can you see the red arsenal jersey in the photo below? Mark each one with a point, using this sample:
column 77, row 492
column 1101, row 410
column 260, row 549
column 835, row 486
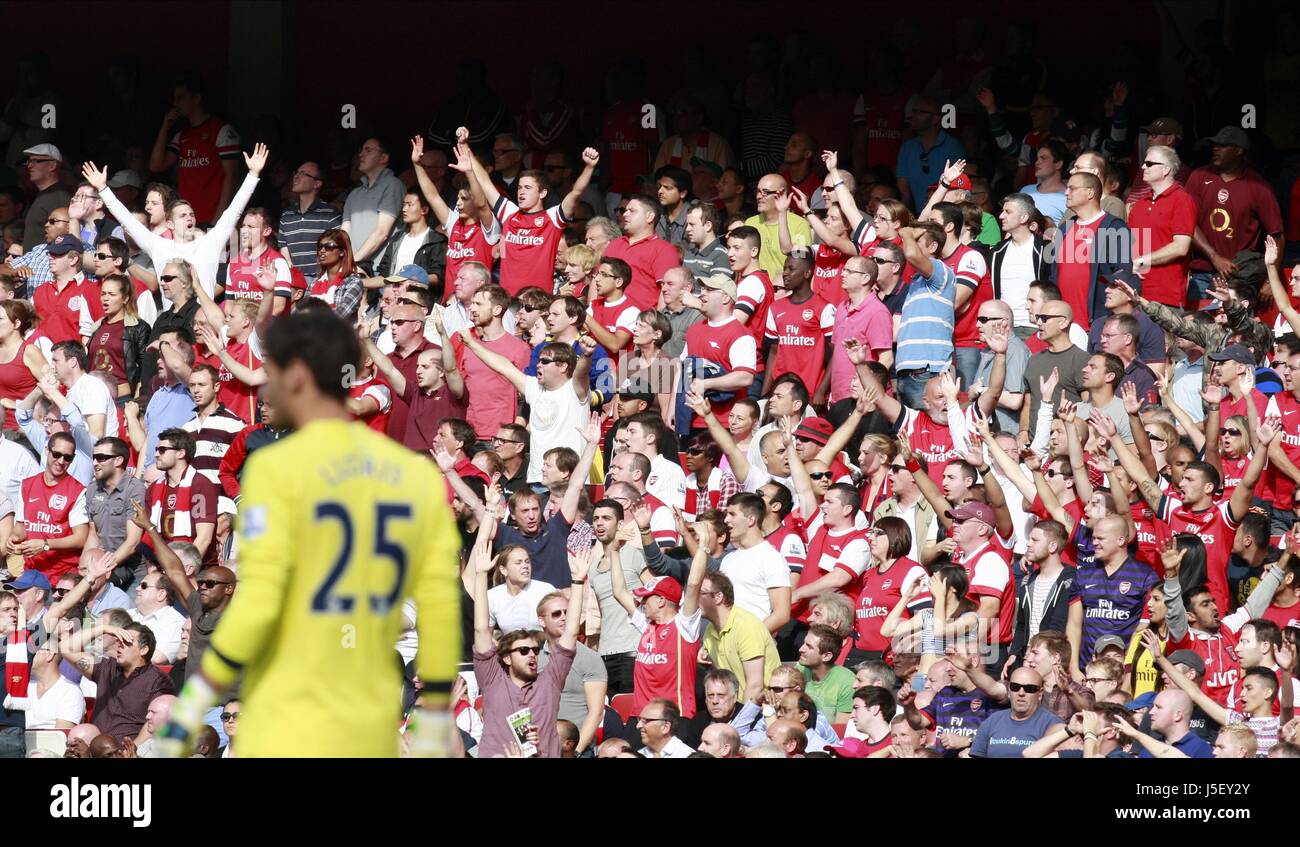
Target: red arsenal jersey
column 801, row 332
column 199, row 173
column 828, row 273
column 467, row 241
column 972, row 272
column 241, row 275
column 1233, row 215
column 51, row 511
column 881, row 591
column 531, row 242
column 60, row 311
column 665, row 661
column 1216, row 527
column 930, row 440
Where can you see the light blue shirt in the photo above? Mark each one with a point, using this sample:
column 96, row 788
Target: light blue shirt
column 111, row 597
column 1187, row 387
column 170, row 406
column 1052, row 205
column 925, row 332
column 81, row 470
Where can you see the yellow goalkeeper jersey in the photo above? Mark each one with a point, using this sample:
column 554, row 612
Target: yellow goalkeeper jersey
column 338, row 525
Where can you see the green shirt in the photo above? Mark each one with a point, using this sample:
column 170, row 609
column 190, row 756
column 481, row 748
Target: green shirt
column 834, row 694
column 990, row 232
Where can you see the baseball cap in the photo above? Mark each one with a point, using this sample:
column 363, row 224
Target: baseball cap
column 815, row 429
column 47, row 151
column 123, row 178
column 850, row 748
column 1165, row 126
column 29, row 579
column 665, row 586
column 973, row 511
column 636, row 390
column 1108, row 641
column 1230, row 136
column 721, row 282
column 961, row 183
column 409, row 273
column 1232, row 353
column 1189, row 658
column 65, row 244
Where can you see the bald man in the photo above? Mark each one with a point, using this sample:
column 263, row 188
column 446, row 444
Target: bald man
column 1095, row 164
column 771, row 189
column 1003, row 382
column 79, row 740
column 789, row 736
column 159, row 710
column 1006, row 734
column 721, row 741
column 1171, row 716
column 207, row 744
column 105, row 746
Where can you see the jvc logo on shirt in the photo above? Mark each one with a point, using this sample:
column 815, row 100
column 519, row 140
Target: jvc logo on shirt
column 75, row 800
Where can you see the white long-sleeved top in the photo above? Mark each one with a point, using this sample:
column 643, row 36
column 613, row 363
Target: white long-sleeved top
column 204, row 253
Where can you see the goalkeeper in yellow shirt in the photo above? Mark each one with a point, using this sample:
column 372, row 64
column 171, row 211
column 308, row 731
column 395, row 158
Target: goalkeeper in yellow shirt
column 338, row 525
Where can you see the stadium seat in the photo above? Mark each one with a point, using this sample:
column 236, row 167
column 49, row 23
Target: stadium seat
column 52, row 740
column 622, row 703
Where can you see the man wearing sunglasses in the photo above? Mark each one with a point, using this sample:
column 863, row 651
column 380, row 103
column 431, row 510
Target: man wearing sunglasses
column 34, row 265
column 1006, row 734
column 306, row 220
column 50, row 521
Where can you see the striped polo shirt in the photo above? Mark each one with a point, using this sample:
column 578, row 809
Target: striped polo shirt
column 925, row 332
column 1112, row 603
column 300, row 230
column 212, row 438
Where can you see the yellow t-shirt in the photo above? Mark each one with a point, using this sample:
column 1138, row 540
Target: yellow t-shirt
column 770, row 256
column 338, row 525
column 744, row 637
column 1145, row 679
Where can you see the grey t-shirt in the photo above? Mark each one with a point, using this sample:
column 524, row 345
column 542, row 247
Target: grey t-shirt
column 616, row 633
column 1115, row 411
column 587, row 667
column 365, row 203
column 1017, row 363
column 1070, row 364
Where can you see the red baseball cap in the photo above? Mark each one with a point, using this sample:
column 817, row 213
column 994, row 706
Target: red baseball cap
column 961, row 183
column 815, row 429
column 850, row 748
column 665, row 586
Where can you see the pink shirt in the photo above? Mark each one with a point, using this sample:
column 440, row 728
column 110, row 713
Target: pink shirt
column 493, row 401
column 869, row 323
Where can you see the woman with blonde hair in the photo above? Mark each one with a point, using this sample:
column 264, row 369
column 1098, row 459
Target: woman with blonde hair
column 579, row 262
column 512, row 602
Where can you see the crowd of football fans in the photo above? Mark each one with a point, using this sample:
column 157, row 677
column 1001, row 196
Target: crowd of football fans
column 951, row 417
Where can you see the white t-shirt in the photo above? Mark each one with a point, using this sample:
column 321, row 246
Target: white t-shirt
column 407, row 248
column 508, row 612
column 408, row 643
column 64, row 701
column 167, row 625
column 918, row 543
column 753, row 572
column 1017, row 272
column 667, row 481
column 91, row 397
column 556, row 418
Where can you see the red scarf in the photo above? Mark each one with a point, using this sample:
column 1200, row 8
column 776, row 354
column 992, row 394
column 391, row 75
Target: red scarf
column 160, row 493
column 18, row 670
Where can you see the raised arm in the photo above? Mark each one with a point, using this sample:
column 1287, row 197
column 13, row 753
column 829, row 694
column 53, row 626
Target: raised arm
column 1141, row 443
column 450, row 368
column 1132, row 464
column 844, row 197
column 140, row 234
column 616, row 578
column 1216, row 712
column 480, row 183
column 1166, row 387
column 738, row 459
column 1280, row 296
column 590, row 158
column 170, row 563
column 427, row 188
column 578, row 479
column 249, row 376
column 699, row 564
column 579, row 568
column 929, row 490
column 1009, row 467
column 1263, row 435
